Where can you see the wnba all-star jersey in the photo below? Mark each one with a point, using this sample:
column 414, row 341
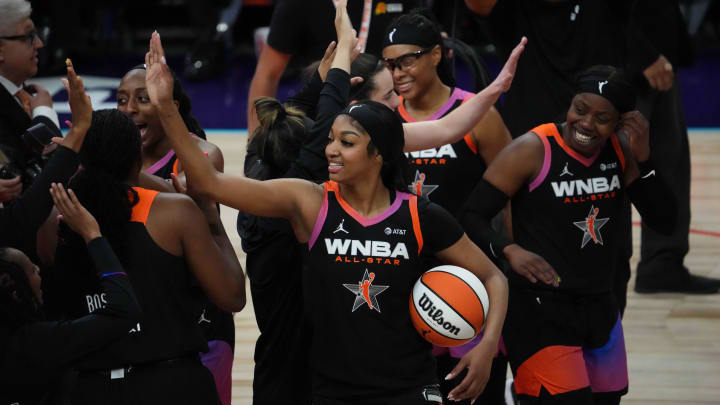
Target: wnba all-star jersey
column 570, row 213
column 446, row 175
column 357, row 283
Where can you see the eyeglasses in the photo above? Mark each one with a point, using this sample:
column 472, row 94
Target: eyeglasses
column 29, row 38
column 405, row 61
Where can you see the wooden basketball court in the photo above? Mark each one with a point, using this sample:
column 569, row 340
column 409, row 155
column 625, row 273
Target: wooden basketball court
column 673, row 340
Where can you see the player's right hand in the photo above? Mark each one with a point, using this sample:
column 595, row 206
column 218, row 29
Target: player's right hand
column 531, row 266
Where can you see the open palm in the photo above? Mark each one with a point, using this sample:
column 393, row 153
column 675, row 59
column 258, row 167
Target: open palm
column 158, row 79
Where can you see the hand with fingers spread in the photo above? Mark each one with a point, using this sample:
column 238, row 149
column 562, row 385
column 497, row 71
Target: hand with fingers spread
column 327, row 60
column 637, row 128
column 505, row 77
column 10, row 188
column 80, row 107
column 478, row 363
column 158, row 79
column 73, row 213
column 531, row 266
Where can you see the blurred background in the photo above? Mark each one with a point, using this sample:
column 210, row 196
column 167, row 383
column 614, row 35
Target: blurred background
column 212, row 46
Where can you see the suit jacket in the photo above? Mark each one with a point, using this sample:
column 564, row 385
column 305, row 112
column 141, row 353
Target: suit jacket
column 13, row 123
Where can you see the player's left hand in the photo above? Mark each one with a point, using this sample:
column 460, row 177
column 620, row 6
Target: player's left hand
column 478, row 362
column 158, row 79
column 637, row 128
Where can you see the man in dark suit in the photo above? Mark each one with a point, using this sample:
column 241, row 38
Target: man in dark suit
column 20, row 107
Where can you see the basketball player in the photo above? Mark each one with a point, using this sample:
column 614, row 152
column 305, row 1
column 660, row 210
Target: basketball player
column 157, row 360
column 413, row 52
column 567, row 183
column 362, row 356
column 160, row 160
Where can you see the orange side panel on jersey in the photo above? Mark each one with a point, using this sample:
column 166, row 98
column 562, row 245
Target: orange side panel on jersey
column 141, row 210
column 468, row 138
column 458, row 294
column 175, row 167
column 618, row 150
column 416, row 222
column 559, row 369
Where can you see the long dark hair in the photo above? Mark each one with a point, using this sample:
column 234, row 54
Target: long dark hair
column 366, row 66
column 110, row 153
column 184, row 104
column 423, row 19
column 277, row 140
column 18, row 304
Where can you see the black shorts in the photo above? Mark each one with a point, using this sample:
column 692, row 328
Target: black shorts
column 426, row 395
column 565, row 343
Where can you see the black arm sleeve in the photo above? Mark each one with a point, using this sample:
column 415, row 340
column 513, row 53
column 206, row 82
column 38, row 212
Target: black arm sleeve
column 311, row 163
column 54, row 345
column 653, row 199
column 306, row 100
column 484, row 203
column 440, row 229
column 22, row 218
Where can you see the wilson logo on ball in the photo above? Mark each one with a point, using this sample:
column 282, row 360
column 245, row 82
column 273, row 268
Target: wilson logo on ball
column 448, row 306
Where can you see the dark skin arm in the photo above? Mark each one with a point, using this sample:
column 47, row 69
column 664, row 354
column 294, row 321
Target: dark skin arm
column 201, row 239
column 514, row 167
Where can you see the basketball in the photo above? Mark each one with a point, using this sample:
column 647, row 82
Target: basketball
column 448, row 306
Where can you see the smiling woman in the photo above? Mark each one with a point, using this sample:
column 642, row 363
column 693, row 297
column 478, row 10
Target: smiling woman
column 576, row 174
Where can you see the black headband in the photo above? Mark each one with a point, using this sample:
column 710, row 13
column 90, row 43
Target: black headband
column 411, row 35
column 620, row 95
column 381, row 123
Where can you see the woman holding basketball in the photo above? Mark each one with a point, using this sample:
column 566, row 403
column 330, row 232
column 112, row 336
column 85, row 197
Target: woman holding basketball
column 567, row 183
column 359, row 354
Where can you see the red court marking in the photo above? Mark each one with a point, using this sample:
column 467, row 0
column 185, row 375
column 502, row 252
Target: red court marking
column 697, row 231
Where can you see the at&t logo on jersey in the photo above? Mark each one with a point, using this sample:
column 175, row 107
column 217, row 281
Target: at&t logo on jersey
column 368, row 251
column 434, row 156
column 578, row 191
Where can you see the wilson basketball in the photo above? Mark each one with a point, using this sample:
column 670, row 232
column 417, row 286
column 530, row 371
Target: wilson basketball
column 448, row 305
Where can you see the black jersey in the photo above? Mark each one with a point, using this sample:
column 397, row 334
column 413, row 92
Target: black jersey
column 446, row 175
column 359, row 275
column 164, row 167
column 570, row 213
column 163, row 286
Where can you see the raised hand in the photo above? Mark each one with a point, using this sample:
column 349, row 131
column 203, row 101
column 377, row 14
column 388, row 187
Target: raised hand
column 505, row 77
column 531, row 266
column 637, row 128
column 158, row 79
column 343, row 26
column 73, row 213
column 80, row 107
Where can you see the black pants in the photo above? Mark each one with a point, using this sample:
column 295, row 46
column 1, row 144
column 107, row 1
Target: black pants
column 183, row 382
column 661, row 256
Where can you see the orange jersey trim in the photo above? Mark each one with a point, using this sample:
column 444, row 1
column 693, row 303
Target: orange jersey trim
column 403, row 112
column 141, row 210
column 468, row 137
column 551, row 130
column 416, row 222
column 618, row 150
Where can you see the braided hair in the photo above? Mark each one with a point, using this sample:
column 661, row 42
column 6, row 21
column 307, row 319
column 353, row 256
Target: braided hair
column 18, row 305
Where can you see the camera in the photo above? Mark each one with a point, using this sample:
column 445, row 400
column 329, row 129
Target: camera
column 34, row 143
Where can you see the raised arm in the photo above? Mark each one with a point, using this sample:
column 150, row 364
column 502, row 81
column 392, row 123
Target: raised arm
column 296, row 200
column 452, row 127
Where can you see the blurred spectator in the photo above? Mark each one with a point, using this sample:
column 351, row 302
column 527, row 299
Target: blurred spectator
column 20, row 106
